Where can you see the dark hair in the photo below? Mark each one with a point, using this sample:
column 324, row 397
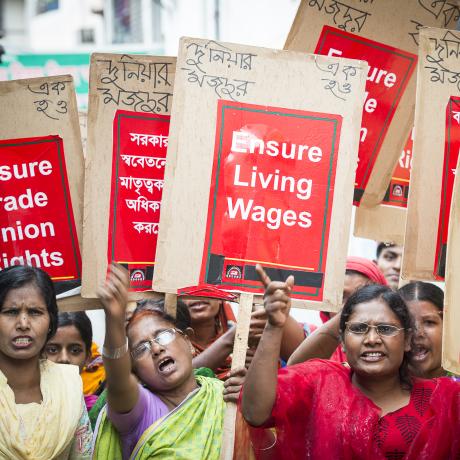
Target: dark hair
column 17, row 276
column 421, row 291
column 396, row 303
column 381, row 246
column 182, row 320
column 81, row 321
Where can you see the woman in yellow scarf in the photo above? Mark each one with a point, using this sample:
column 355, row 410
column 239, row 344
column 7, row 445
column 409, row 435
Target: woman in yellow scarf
column 43, row 416
column 166, row 412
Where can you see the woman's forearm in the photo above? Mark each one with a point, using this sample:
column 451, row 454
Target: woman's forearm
column 260, row 386
column 122, row 391
column 214, row 355
column 293, row 336
column 321, row 344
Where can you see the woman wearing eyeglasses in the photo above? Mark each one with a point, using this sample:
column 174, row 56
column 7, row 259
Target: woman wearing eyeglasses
column 161, row 410
column 372, row 409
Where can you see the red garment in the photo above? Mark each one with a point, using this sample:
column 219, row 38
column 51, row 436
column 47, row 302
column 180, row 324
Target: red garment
column 396, row 431
column 319, row 414
column 367, row 268
column 224, row 320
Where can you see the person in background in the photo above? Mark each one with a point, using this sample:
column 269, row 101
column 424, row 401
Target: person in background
column 389, row 258
column 72, row 345
column 325, row 341
column 162, row 410
column 371, row 409
column 43, row 414
column 425, row 302
column 213, row 325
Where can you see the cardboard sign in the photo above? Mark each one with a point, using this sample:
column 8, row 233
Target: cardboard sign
column 452, row 146
column 386, row 35
column 389, row 72
column 268, row 167
column 139, row 156
column 272, row 180
column 140, row 87
column 451, row 315
column 387, row 221
column 36, row 218
column 39, row 125
column 437, row 80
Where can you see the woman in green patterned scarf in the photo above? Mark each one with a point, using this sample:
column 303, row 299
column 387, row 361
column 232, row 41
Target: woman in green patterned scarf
column 162, row 410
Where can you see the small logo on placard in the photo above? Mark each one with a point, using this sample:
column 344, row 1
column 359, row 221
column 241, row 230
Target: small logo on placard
column 137, row 276
column 397, row 190
column 234, row 272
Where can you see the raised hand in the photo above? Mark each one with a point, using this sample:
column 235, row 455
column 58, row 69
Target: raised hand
column 114, row 292
column 277, row 297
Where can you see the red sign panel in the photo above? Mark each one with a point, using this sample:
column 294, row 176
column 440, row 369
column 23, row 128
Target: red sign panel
column 271, row 197
column 36, row 219
column 451, row 151
column 390, row 70
column 140, row 141
column 398, row 191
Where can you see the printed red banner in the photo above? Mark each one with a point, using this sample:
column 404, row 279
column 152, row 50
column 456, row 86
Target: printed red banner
column 390, row 70
column 37, row 226
column 140, row 141
column 451, row 150
column 271, row 197
column 398, row 190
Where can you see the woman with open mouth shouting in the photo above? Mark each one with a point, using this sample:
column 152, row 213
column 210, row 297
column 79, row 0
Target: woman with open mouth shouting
column 161, row 410
column 43, row 414
column 372, row 408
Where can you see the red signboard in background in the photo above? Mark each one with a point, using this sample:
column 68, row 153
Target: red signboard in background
column 271, row 197
column 389, row 72
column 36, row 219
column 140, row 141
column 398, row 190
column 451, row 150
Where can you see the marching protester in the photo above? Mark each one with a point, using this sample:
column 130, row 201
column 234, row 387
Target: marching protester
column 389, row 258
column 325, row 342
column 372, row 408
column 163, row 409
column 43, row 413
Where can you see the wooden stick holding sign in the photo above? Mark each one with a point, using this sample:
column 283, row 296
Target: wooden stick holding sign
column 238, row 360
column 451, row 315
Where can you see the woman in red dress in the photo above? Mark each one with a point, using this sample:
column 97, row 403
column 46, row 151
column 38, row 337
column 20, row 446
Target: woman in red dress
column 371, row 409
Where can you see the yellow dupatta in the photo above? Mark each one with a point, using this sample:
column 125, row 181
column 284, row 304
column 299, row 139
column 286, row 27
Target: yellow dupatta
column 57, row 416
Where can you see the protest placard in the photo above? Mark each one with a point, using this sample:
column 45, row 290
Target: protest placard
column 387, row 221
column 386, row 35
column 451, row 313
column 128, row 124
column 266, row 174
column 41, row 169
column 435, row 154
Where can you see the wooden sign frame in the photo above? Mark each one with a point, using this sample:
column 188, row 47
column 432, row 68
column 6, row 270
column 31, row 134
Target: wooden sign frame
column 138, row 83
column 393, row 23
column 434, row 89
column 190, row 158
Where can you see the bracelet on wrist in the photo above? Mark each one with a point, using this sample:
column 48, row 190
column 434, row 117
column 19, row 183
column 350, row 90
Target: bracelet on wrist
column 115, row 353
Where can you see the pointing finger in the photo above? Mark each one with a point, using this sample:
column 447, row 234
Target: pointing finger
column 264, row 278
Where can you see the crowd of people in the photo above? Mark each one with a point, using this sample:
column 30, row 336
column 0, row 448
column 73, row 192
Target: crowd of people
column 366, row 384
